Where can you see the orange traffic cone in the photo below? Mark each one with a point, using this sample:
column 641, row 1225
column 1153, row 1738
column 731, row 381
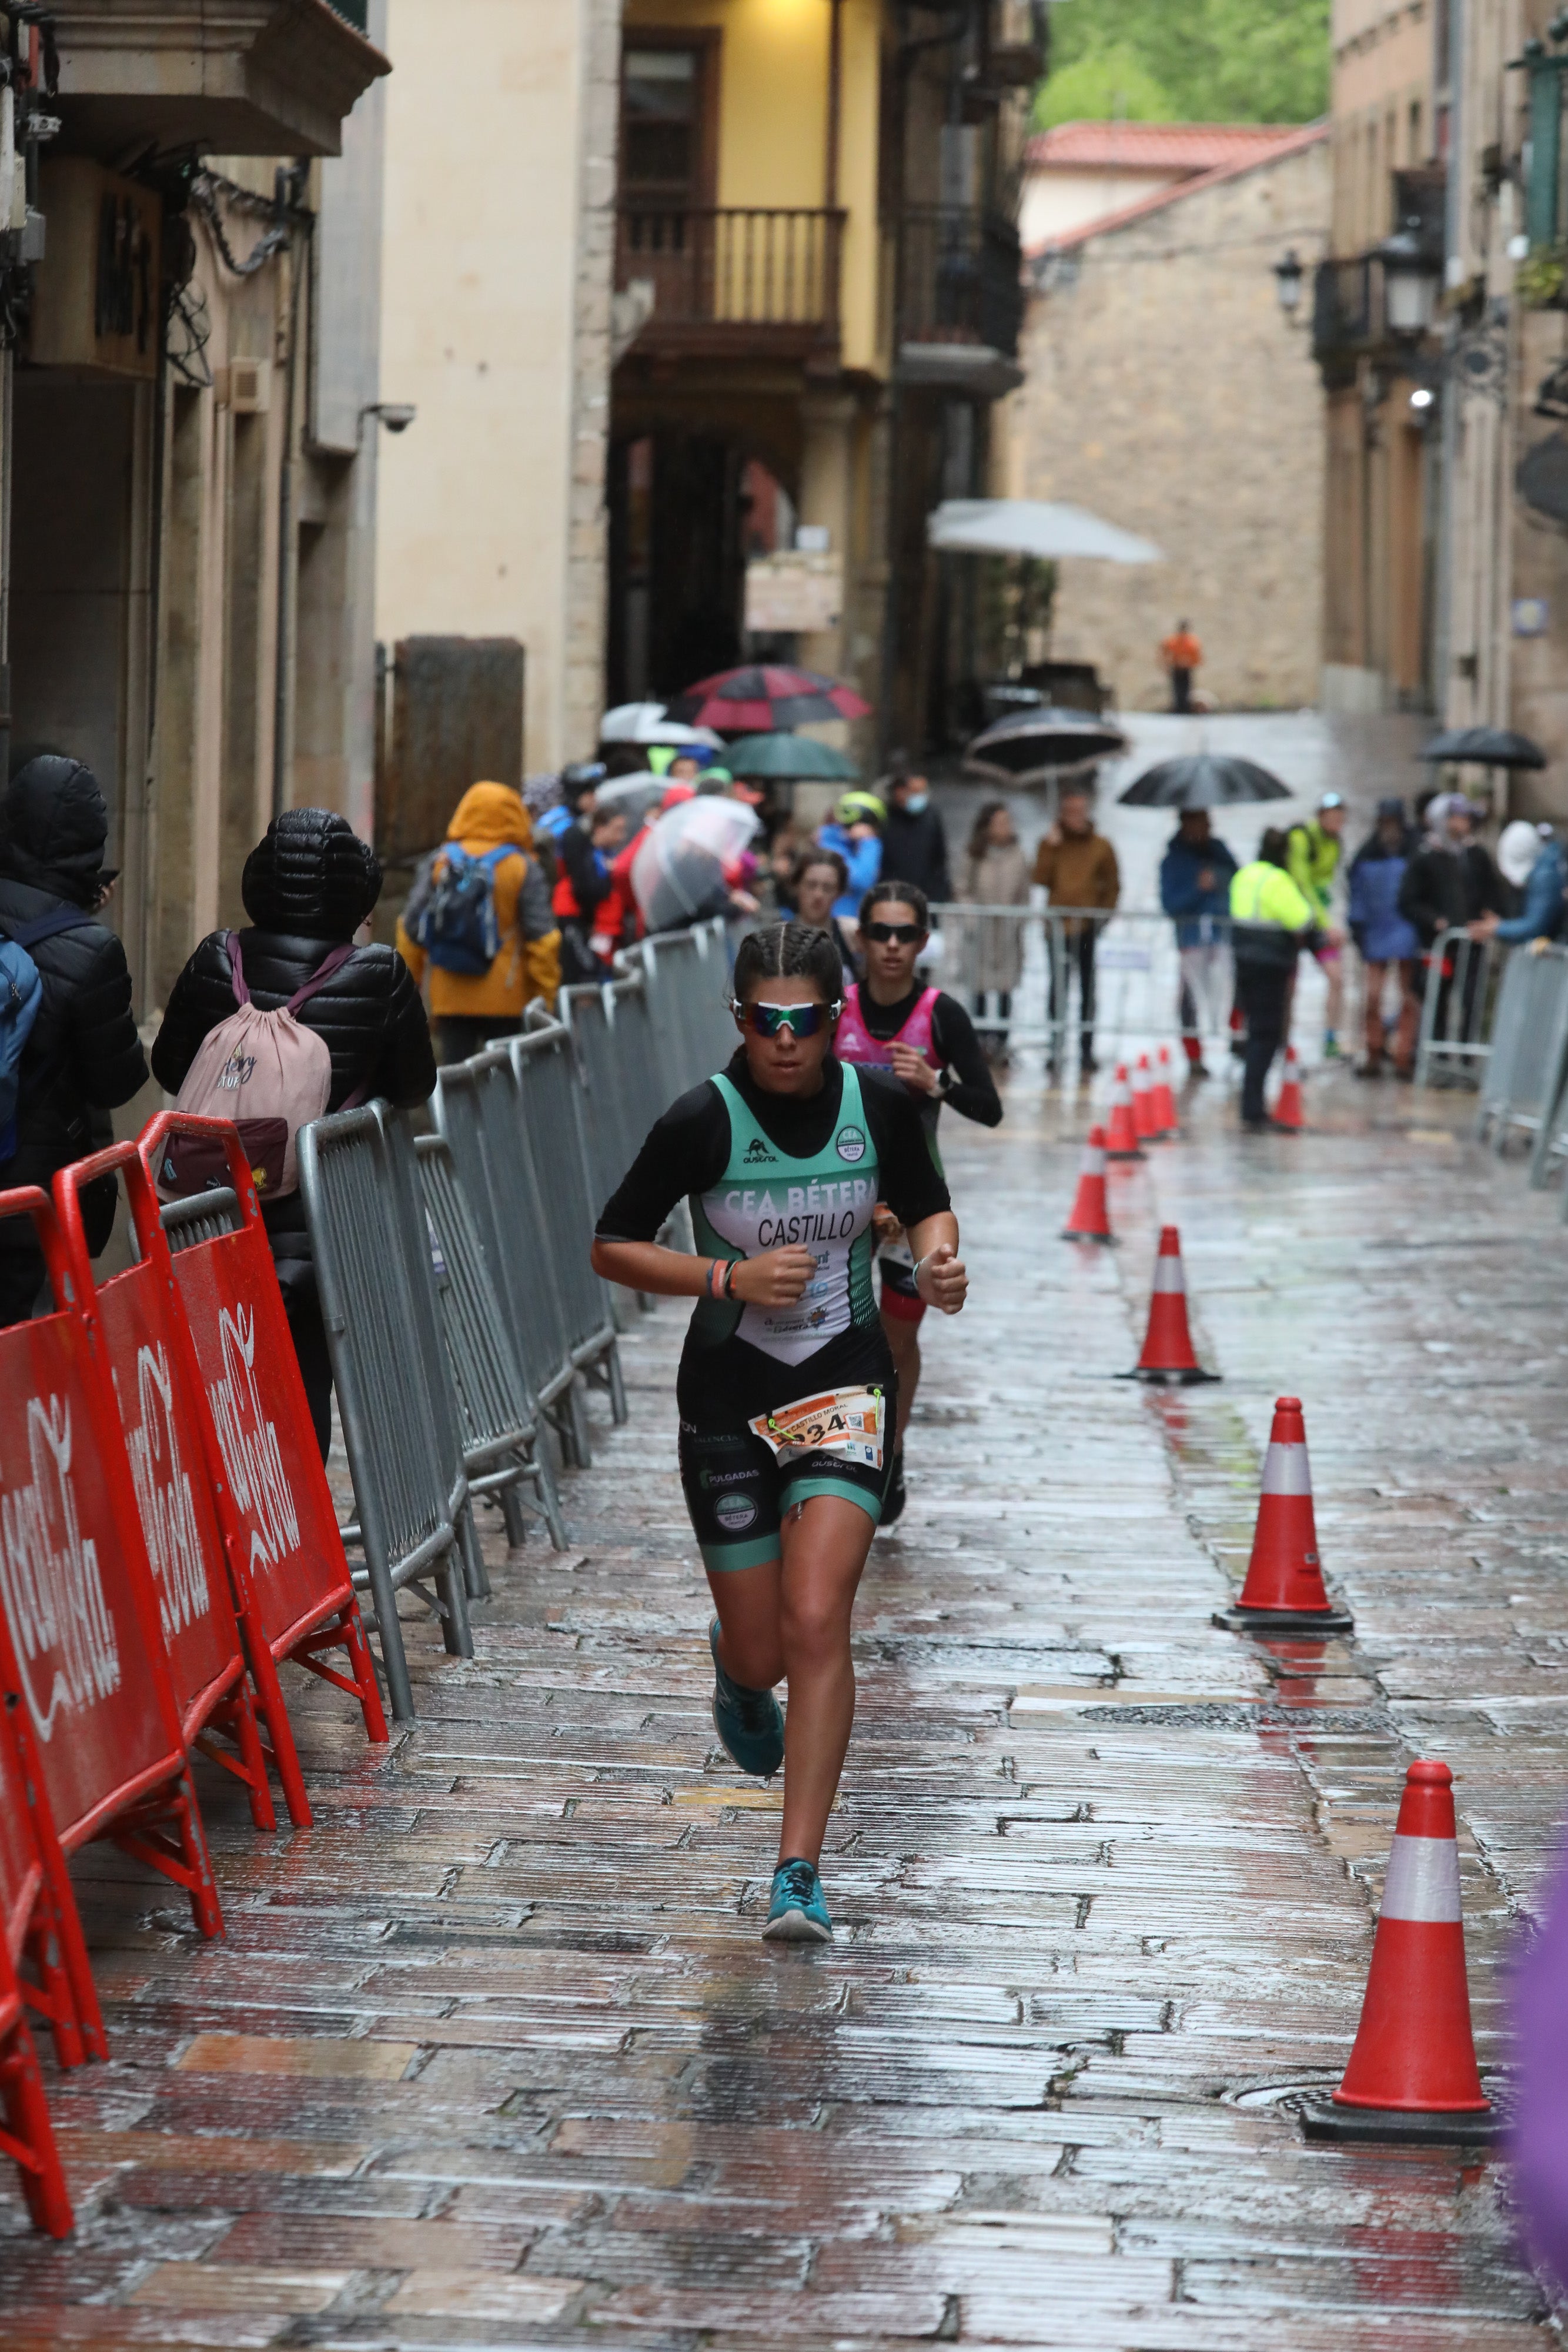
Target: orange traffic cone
column 1168, row 1347
column 1288, row 1108
column 1284, row 1590
column 1122, row 1135
column 1165, row 1121
column 1091, row 1218
column 1146, row 1126
column 1412, row 2074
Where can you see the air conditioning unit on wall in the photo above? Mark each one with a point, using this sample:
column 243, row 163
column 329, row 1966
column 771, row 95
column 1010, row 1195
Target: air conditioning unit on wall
column 244, row 386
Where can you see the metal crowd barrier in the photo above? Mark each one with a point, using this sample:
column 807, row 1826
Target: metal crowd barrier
column 1550, row 1147
column 478, row 1109
column 605, row 1074
column 686, row 974
column 550, row 1128
column 1530, row 1026
column 202, row 1218
column 1457, row 1010
column 370, row 1241
column 503, row 1449
column 1032, row 955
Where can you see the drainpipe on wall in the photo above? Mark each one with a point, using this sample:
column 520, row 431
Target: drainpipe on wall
column 1448, row 446
column 288, row 194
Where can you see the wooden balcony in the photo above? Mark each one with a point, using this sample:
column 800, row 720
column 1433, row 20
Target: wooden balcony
column 733, row 281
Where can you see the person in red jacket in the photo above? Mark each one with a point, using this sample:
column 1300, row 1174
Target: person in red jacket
column 584, row 852
column 618, row 921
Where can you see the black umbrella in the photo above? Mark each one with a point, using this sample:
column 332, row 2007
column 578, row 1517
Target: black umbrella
column 1028, row 740
column 1484, row 747
column 1203, row 780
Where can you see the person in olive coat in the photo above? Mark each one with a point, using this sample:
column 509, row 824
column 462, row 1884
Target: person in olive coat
column 307, row 885
column 83, row 1057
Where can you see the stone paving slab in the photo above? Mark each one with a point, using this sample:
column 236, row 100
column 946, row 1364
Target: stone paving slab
column 492, row 2054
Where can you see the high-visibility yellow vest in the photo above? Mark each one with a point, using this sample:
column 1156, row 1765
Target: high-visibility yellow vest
column 1262, row 893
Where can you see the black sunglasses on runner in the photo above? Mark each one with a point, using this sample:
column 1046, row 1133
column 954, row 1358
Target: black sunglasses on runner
column 800, row 1019
column 884, row 934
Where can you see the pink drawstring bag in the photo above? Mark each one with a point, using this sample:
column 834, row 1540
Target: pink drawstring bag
column 267, row 1073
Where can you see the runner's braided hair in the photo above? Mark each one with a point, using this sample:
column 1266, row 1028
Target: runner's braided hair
column 789, row 952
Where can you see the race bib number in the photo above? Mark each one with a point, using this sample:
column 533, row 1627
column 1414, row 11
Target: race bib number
column 846, row 1422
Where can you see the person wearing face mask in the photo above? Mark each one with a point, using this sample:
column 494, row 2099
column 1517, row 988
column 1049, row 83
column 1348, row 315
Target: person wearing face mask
column 915, row 839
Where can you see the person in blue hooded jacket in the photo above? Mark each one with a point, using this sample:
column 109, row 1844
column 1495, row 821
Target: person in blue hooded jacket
column 1195, row 890
column 855, row 833
column 1529, row 858
column 1386, row 942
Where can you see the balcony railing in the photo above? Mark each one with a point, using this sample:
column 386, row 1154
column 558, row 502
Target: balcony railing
column 732, row 277
column 959, row 277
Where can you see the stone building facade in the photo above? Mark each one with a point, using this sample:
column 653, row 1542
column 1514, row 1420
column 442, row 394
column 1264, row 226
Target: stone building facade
column 1166, row 390
column 496, row 298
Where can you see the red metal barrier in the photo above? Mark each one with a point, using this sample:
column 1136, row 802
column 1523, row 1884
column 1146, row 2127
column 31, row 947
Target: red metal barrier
column 290, row 1579
column 40, row 1933
column 26, row 1929
column 158, row 1400
column 82, row 1664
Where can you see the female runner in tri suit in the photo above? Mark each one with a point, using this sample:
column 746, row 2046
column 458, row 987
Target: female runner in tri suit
column 784, row 1156
column 927, row 1039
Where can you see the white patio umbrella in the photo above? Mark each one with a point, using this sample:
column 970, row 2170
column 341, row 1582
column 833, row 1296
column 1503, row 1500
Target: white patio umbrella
column 644, row 722
column 1032, row 527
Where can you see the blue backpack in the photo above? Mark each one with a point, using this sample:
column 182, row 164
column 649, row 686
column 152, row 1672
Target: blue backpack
column 21, row 994
column 456, row 926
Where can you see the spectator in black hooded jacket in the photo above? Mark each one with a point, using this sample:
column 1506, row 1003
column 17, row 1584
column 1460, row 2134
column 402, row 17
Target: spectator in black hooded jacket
column 307, row 885
column 83, row 1057
column 914, row 837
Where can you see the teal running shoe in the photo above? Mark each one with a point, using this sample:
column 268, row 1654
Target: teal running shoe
column 798, row 1912
column 749, row 1722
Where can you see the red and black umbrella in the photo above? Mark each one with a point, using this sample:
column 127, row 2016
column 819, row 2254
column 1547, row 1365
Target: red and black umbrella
column 762, row 696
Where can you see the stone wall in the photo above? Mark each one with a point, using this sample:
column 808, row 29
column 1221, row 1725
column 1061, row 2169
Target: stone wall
column 499, row 261
column 1166, row 392
column 582, row 690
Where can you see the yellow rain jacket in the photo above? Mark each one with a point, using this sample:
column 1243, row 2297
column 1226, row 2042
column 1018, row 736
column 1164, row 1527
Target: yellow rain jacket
column 1269, row 913
column 528, row 963
column 1314, row 856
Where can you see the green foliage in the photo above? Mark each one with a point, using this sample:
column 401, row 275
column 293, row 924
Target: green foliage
column 1199, row 61
column 1539, row 282
column 1110, row 85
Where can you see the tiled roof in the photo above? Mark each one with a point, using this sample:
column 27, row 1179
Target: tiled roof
column 1286, row 140
column 1188, row 147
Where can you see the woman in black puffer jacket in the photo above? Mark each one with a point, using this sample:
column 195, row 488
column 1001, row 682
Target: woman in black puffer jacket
column 82, row 1058
column 307, row 885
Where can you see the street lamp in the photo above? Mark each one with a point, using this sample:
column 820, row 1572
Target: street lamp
column 1289, row 277
column 1410, row 277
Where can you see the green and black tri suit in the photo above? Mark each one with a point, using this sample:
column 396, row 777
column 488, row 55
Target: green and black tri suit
column 763, row 1171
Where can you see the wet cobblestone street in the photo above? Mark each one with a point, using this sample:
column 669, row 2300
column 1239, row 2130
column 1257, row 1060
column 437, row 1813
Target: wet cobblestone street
column 493, row 2055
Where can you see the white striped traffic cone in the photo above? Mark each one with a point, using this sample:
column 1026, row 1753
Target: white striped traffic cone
column 1284, row 1592
column 1121, row 1135
column 1091, row 1218
column 1167, row 1345
column 1412, row 2074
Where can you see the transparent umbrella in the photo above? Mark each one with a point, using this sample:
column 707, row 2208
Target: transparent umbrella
column 634, row 795
column 677, row 874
